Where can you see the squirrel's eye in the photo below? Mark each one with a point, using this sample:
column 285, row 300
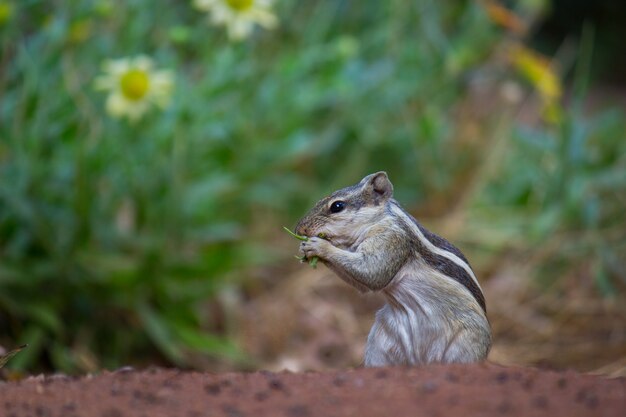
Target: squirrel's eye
column 337, row 206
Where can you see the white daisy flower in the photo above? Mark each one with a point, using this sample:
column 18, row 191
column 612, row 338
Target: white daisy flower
column 134, row 85
column 239, row 16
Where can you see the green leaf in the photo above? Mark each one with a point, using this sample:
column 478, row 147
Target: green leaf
column 34, row 337
column 160, row 332
column 302, row 238
column 5, row 358
column 208, row 343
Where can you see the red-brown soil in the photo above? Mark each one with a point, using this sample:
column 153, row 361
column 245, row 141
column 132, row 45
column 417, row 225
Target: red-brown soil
column 457, row 390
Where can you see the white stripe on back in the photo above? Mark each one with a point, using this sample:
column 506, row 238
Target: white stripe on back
column 428, row 244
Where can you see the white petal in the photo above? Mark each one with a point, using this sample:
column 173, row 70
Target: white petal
column 142, row 62
column 204, row 5
column 105, row 82
column 264, row 18
column 163, row 78
column 239, row 29
column 117, row 67
column 135, row 112
column 221, row 15
column 117, row 105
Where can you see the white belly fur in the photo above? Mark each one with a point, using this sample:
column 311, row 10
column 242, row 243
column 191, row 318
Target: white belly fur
column 429, row 318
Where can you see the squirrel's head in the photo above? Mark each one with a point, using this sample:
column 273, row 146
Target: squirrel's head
column 346, row 213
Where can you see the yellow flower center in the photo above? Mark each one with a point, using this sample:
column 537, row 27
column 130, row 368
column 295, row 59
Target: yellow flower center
column 135, row 84
column 240, row 5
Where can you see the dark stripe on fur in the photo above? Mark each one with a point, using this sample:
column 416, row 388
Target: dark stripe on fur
column 441, row 243
column 443, row 264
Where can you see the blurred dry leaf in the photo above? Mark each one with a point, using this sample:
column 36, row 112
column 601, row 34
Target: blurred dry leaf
column 540, row 72
column 502, row 16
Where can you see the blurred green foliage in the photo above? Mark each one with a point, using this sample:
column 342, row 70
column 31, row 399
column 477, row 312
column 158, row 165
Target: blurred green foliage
column 563, row 190
column 114, row 235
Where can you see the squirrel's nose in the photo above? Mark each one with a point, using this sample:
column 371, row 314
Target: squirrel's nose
column 301, row 229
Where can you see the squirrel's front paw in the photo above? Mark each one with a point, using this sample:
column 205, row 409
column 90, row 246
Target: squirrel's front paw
column 315, row 246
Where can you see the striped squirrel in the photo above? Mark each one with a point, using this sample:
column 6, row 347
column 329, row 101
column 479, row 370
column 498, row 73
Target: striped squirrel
column 435, row 309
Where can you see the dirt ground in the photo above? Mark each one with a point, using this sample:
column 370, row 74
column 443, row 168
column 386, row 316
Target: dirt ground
column 483, row 390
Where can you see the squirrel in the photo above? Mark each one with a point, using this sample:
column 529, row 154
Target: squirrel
column 435, row 311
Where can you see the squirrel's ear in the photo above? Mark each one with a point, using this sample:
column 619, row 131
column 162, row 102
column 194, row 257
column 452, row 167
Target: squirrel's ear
column 378, row 185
